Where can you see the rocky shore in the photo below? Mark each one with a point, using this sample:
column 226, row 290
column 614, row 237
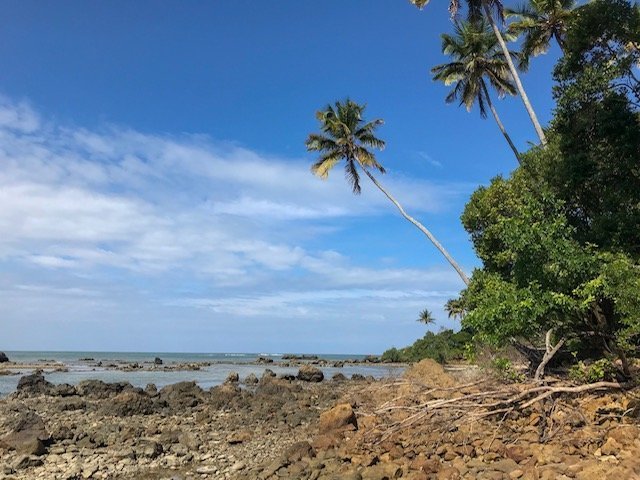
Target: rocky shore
column 309, row 427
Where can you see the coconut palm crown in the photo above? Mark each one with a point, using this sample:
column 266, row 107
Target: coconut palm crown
column 476, row 9
column 540, row 21
column 426, row 317
column 476, row 56
column 477, row 59
column 345, row 136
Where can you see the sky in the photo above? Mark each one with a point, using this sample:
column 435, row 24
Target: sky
column 155, row 191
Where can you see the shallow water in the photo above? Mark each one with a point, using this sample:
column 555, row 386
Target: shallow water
column 206, row 377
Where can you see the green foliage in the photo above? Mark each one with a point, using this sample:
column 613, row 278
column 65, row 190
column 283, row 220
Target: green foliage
column 598, row 371
column 540, row 21
column 442, row 347
column 505, row 370
column 559, row 239
column 426, row 317
column 345, row 137
column 476, row 59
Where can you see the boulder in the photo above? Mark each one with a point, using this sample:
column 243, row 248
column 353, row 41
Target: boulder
column 340, row 418
column 148, row 448
column 34, row 384
column 63, row 390
column 308, row 373
column 157, row 361
column 429, row 372
column 151, row 389
column 339, row 377
column 101, row 390
column 251, row 379
column 27, row 434
column 224, row 394
column 128, row 403
column 298, row 451
column 3, row 357
column 181, row 395
column 233, row 377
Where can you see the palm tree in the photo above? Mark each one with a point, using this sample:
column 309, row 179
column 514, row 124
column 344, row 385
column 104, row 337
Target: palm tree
column 346, row 136
column 476, row 56
column 475, row 10
column 540, row 21
column 455, row 308
column 426, row 317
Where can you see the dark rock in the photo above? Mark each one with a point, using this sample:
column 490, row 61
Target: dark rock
column 3, row 357
column 26, row 434
column 157, row 361
column 224, row 394
column 151, row 389
column 268, row 373
column 101, row 390
column 148, row 448
column 298, row 451
column 251, row 379
column 264, row 360
column 233, row 377
column 288, row 377
column 129, row 403
column 307, row 373
column 358, row 377
column 27, row 461
column 339, row 377
column 34, row 384
column 274, row 387
column 181, row 395
column 63, row 390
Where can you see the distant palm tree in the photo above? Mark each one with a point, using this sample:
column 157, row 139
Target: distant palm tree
column 476, row 59
column 346, row 136
column 455, row 308
column 476, row 9
column 426, row 317
column 540, row 21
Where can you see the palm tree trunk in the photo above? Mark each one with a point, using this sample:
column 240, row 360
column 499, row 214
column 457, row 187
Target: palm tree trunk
column 516, row 77
column 499, row 122
column 420, row 227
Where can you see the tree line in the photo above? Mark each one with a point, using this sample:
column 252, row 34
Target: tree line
column 559, row 238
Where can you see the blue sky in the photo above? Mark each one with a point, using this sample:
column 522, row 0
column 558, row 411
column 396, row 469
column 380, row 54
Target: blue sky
column 155, row 191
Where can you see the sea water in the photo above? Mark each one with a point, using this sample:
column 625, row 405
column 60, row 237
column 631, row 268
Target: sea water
column 222, row 364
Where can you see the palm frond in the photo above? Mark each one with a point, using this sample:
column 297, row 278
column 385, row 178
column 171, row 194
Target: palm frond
column 352, row 176
column 325, row 163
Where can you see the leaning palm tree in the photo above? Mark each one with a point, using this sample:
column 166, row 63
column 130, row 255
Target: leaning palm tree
column 476, row 59
column 347, row 137
column 476, row 8
column 540, row 21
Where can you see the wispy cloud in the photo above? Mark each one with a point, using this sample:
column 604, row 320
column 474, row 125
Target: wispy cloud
column 186, row 222
column 430, row 160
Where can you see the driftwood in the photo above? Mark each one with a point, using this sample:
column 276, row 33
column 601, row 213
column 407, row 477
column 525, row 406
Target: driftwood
column 469, row 406
column 550, row 351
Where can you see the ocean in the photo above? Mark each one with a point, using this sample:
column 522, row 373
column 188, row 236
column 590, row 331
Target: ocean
column 222, row 364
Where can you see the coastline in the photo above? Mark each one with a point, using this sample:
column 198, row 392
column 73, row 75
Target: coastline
column 313, row 428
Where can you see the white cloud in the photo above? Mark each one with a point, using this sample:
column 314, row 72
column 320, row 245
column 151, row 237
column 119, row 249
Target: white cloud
column 134, row 216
